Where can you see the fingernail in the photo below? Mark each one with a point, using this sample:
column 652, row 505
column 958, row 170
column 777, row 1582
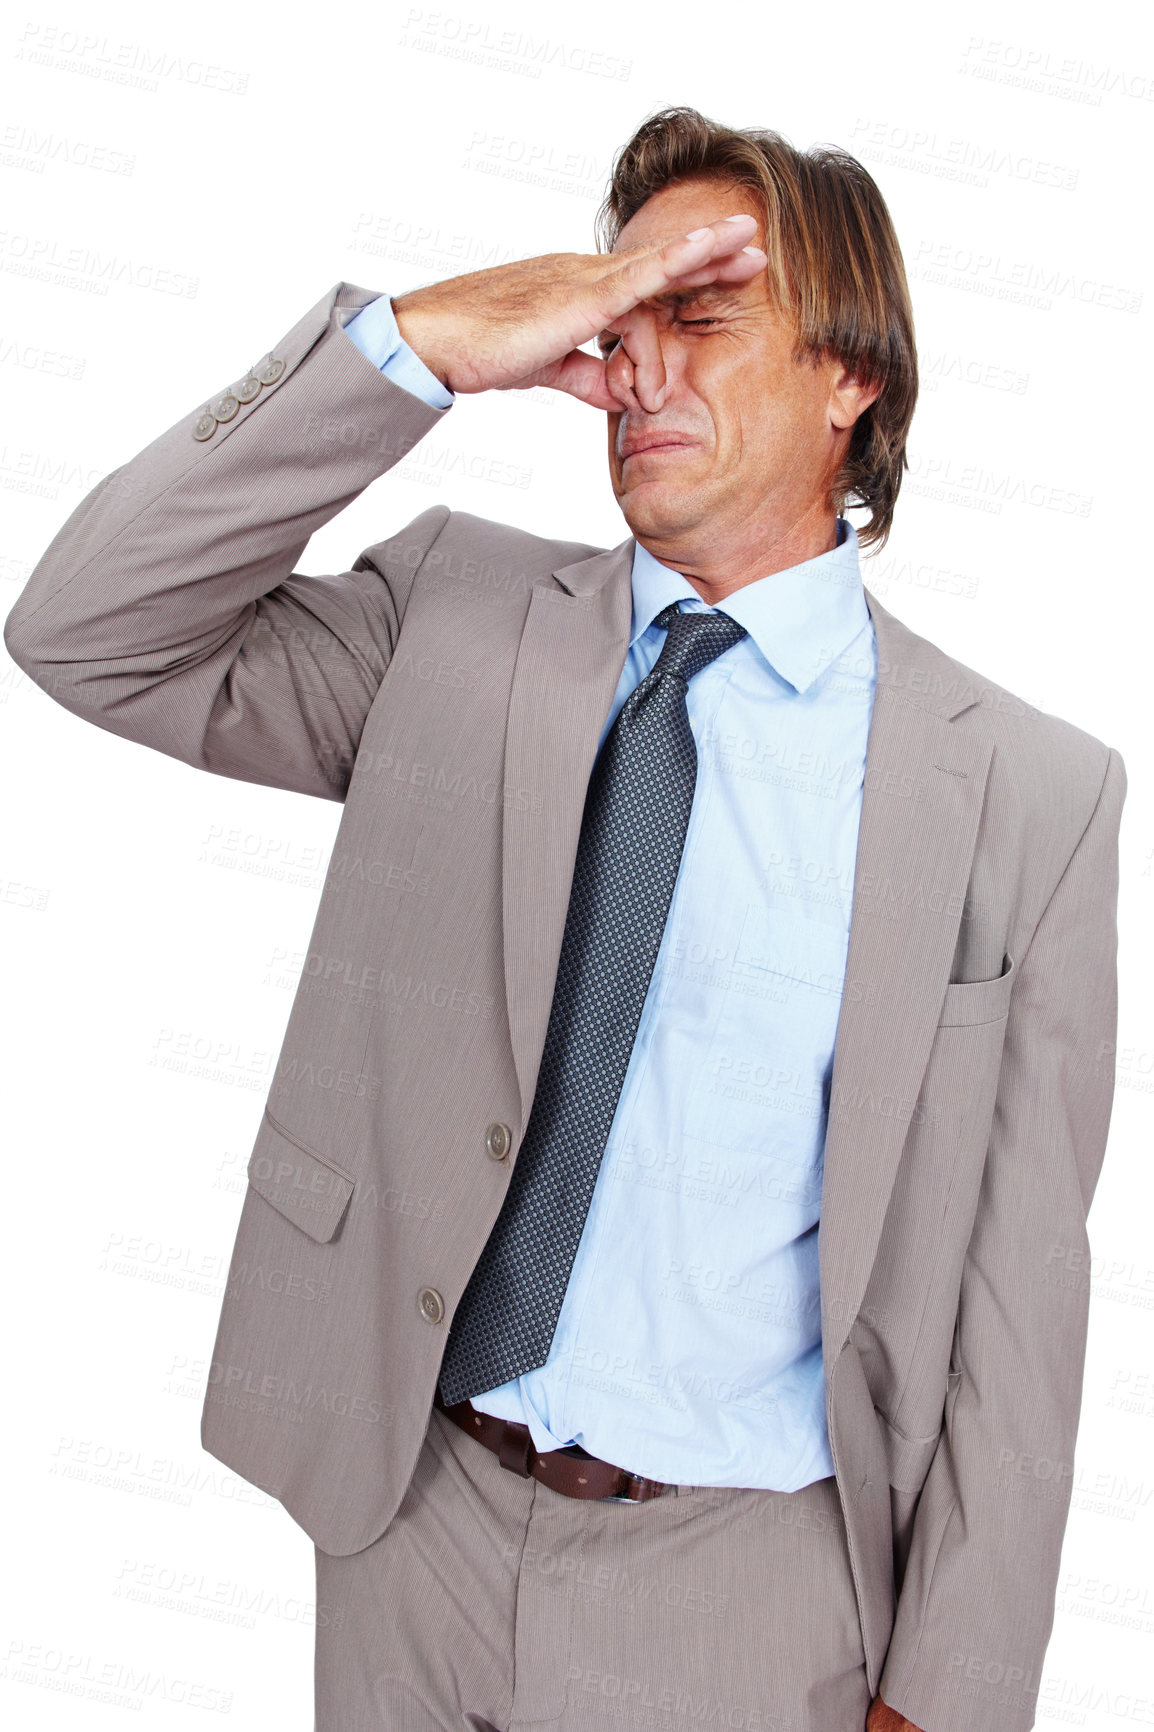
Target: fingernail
column 697, row 234
column 757, row 252
column 744, row 218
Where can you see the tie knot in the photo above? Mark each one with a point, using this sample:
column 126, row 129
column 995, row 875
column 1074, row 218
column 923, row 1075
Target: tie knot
column 693, row 640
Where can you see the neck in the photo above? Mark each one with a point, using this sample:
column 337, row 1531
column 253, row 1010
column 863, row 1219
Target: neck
column 715, row 569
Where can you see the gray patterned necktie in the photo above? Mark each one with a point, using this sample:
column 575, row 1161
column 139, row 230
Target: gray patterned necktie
column 633, row 828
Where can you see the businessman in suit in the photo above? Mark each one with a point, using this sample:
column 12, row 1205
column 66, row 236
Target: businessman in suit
column 702, row 1057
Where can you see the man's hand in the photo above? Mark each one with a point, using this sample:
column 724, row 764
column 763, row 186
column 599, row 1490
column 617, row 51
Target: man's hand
column 884, row 1719
column 522, row 324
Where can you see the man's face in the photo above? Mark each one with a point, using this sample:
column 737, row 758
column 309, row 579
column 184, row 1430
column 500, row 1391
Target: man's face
column 752, row 430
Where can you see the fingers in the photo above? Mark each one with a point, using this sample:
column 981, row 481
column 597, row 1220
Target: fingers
column 640, row 350
column 738, row 268
column 619, row 379
column 633, row 375
column 606, row 385
column 718, row 240
column 719, row 252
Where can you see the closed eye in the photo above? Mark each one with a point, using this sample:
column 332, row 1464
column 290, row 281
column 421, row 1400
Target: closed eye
column 606, row 345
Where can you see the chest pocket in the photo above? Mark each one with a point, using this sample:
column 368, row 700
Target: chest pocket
column 973, row 1002
column 763, row 1085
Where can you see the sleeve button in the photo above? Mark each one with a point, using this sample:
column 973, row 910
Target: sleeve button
column 269, row 370
column 226, row 407
column 205, row 426
column 498, row 1142
column 248, row 388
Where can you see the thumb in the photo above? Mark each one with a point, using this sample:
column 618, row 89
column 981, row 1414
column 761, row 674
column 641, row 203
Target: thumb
column 578, row 374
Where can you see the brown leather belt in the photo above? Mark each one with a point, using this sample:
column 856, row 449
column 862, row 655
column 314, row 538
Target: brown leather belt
column 571, row 1471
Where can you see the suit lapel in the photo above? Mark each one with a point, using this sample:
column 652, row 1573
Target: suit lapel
column 921, row 806
column 924, row 788
column 570, row 657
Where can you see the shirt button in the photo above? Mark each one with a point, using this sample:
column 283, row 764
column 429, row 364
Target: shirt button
column 248, row 388
column 204, row 427
column 498, row 1142
column 430, row 1304
column 269, row 370
column 225, row 407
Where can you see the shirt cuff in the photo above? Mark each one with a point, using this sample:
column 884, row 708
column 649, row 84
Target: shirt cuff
column 374, row 332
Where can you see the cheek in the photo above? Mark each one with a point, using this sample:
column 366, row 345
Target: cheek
column 764, row 430
column 751, row 414
column 785, row 423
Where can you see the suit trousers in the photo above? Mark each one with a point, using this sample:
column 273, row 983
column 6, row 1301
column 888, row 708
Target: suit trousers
column 492, row 1604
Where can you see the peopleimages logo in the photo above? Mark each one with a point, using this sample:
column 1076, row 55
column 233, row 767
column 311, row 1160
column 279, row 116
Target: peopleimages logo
column 79, row 267
column 26, row 147
column 967, row 160
column 1023, row 282
column 484, row 44
column 132, row 64
column 1067, row 76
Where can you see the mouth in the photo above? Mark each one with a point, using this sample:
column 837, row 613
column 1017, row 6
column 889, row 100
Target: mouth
column 654, row 446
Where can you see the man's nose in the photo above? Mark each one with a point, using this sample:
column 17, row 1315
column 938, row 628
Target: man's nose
column 648, row 347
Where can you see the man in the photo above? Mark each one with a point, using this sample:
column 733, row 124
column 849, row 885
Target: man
column 704, row 1040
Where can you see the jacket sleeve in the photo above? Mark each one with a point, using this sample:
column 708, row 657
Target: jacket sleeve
column 977, row 1601
column 167, row 609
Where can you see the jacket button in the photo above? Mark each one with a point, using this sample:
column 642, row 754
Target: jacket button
column 498, row 1142
column 269, row 370
column 205, row 426
column 248, row 388
column 430, row 1304
column 225, row 407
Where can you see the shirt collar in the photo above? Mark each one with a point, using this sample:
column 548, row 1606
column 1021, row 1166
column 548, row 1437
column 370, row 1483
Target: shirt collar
column 800, row 619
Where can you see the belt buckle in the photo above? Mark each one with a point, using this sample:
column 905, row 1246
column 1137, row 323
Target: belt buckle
column 623, row 1497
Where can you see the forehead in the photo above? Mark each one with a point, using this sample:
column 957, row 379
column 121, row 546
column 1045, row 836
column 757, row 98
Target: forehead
column 686, row 204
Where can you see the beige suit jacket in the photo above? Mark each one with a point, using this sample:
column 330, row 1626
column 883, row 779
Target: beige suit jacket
column 450, row 689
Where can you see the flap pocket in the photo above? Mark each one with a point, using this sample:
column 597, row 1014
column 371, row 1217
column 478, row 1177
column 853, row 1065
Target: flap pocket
column 307, row 1189
column 976, row 1001
column 908, row 1458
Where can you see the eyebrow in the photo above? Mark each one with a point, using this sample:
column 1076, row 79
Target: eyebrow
column 708, row 295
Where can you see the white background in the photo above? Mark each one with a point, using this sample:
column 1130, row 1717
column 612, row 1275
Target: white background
column 177, row 191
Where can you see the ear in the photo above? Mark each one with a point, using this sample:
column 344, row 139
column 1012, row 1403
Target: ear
column 849, row 397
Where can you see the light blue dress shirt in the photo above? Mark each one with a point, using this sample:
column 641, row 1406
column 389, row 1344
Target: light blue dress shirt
column 688, row 1347
column 374, row 331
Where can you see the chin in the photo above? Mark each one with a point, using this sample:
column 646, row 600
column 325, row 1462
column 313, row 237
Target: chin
column 657, row 510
